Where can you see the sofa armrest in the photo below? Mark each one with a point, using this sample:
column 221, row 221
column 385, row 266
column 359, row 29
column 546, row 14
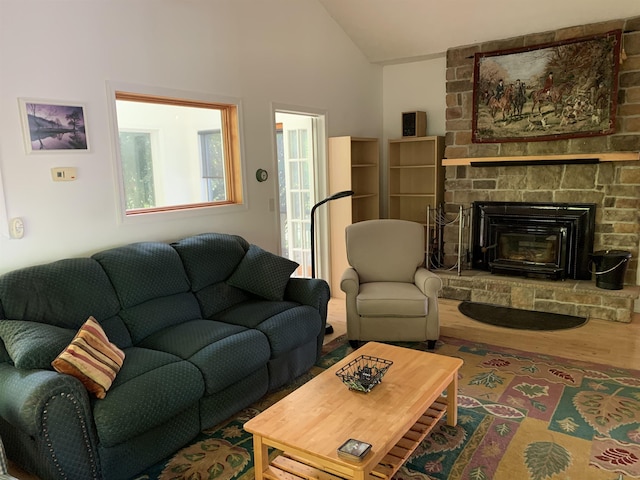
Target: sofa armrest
column 309, row 291
column 428, row 282
column 315, row 293
column 25, row 394
column 52, row 408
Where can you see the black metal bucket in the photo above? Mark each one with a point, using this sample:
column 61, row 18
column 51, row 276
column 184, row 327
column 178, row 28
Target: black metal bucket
column 611, row 267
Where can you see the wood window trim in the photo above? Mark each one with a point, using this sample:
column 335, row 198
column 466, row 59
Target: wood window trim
column 231, row 147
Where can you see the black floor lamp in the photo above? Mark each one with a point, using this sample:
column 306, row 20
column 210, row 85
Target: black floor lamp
column 346, row 193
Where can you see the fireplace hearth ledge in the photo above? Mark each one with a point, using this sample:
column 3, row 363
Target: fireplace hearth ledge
column 568, row 297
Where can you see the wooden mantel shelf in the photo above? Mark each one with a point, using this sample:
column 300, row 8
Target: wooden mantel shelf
column 546, row 159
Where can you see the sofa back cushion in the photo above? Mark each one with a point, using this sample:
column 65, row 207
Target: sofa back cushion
column 152, row 285
column 143, row 271
column 64, row 294
column 209, row 259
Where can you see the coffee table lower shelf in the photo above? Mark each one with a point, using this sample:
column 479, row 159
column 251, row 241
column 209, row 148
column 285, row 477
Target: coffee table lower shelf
column 290, row 467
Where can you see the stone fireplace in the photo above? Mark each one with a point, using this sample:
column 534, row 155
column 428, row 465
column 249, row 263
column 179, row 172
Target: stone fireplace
column 611, row 182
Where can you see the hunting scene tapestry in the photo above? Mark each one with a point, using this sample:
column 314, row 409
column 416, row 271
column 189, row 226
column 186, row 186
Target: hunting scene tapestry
column 548, row 92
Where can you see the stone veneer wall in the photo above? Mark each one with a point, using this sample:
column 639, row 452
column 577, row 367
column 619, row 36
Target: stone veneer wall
column 613, row 186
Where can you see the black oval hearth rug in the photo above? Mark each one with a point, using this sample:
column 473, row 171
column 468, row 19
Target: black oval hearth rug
column 517, row 318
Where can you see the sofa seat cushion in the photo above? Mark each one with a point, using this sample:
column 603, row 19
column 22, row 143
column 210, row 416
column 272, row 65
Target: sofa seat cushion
column 186, row 339
column 287, row 325
column 252, row 313
column 232, row 359
column 224, row 353
column 151, row 388
column 396, row 299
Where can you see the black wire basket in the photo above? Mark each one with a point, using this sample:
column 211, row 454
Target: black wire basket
column 364, row 373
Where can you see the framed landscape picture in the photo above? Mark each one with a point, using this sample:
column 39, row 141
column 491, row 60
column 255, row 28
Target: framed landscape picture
column 53, row 126
column 553, row 91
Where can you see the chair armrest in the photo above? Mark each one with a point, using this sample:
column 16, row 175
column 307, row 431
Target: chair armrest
column 428, row 282
column 350, row 284
column 350, row 281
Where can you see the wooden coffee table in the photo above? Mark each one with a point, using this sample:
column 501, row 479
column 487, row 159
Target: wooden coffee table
column 309, row 424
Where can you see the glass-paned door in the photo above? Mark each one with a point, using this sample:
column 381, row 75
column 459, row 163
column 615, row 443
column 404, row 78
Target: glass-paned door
column 296, row 153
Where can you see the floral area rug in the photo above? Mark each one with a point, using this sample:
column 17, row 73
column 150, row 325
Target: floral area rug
column 521, row 416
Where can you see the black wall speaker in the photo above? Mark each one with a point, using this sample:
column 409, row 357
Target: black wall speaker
column 414, row 124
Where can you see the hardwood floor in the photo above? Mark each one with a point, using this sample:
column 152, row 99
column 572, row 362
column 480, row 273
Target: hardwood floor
column 600, row 341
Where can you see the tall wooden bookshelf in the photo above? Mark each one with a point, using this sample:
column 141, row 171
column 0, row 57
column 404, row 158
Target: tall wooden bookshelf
column 416, row 179
column 353, row 165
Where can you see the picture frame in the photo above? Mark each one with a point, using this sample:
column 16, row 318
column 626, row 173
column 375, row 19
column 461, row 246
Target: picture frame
column 53, row 126
column 553, row 91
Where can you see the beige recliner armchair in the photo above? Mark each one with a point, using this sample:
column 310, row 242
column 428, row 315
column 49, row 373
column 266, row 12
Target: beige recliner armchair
column 389, row 296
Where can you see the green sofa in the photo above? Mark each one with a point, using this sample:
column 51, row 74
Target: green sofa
column 208, row 325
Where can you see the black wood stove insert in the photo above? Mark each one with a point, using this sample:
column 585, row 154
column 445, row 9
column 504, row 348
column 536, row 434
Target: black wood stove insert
column 538, row 240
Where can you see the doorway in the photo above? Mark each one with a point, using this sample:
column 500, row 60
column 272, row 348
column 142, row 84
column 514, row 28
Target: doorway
column 300, row 141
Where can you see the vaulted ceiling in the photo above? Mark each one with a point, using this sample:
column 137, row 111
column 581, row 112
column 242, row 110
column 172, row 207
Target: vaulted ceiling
column 395, row 31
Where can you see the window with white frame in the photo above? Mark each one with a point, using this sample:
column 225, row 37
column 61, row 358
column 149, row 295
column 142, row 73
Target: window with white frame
column 137, row 169
column 212, row 160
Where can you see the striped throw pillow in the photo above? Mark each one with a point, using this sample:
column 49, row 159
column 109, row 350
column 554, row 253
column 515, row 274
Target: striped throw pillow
column 91, row 358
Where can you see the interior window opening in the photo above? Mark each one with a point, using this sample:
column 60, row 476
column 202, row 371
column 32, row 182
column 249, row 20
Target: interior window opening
column 177, row 154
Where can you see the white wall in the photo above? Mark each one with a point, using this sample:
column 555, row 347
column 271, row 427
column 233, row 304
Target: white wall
column 263, row 52
column 408, row 87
